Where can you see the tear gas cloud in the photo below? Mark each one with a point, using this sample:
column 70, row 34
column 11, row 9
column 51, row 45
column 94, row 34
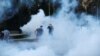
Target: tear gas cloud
column 71, row 36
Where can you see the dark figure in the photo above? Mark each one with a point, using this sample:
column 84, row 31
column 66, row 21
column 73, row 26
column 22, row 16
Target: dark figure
column 39, row 31
column 4, row 35
column 50, row 28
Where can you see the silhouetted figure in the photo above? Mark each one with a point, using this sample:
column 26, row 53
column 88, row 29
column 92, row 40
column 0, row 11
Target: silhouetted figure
column 39, row 31
column 50, row 28
column 6, row 34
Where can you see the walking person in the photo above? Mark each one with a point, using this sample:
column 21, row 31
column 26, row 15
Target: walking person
column 39, row 32
column 50, row 28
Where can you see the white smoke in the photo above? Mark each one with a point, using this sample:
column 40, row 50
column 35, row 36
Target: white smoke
column 71, row 36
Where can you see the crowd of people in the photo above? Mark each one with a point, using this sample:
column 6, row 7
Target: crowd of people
column 5, row 34
column 39, row 31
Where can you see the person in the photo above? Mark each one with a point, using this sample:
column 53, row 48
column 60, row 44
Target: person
column 39, row 31
column 50, row 28
column 6, row 34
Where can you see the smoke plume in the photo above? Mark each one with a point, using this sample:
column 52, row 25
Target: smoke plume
column 72, row 35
